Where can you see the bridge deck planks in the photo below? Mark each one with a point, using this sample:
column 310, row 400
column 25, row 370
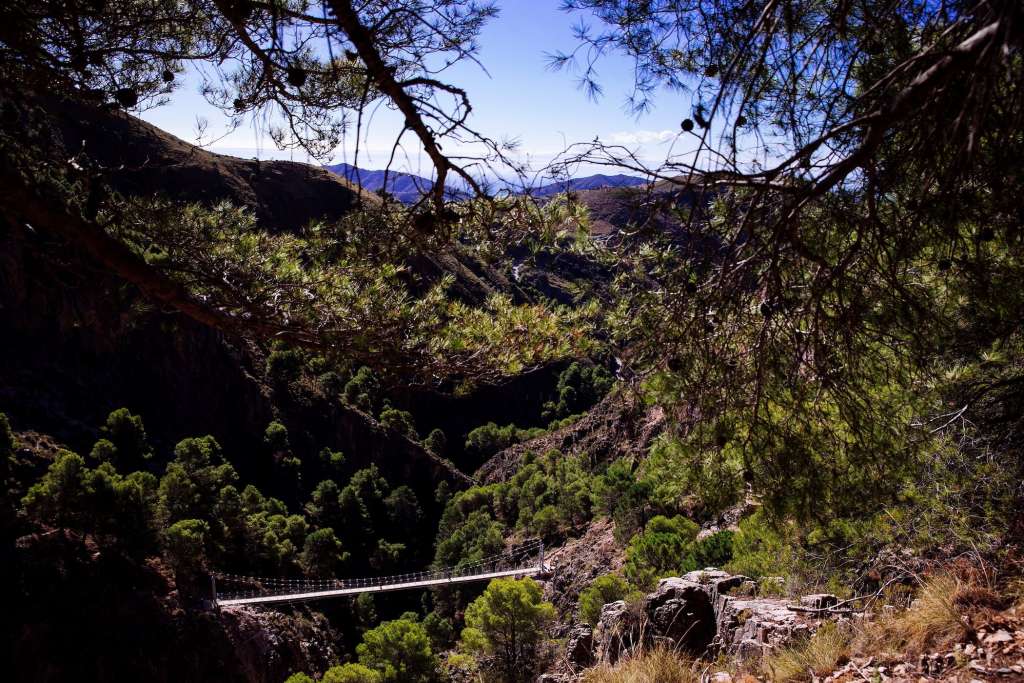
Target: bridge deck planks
column 338, row 592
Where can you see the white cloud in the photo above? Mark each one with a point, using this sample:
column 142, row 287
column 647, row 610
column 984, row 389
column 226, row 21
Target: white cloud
column 640, row 137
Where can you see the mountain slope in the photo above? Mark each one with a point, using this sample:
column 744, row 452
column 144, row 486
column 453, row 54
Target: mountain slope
column 409, row 188
column 137, row 158
column 82, row 342
column 405, row 187
column 592, row 182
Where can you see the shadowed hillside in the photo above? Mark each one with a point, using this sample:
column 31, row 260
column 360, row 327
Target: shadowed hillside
column 137, row 158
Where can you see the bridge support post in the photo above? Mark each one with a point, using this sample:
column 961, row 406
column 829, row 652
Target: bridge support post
column 213, row 593
column 542, row 555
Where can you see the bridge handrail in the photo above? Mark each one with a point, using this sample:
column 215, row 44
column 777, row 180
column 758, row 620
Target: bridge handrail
column 278, row 586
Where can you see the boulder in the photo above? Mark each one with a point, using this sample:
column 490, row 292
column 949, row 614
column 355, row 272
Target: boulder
column 819, row 601
column 579, row 647
column 704, row 612
column 620, row 631
column 748, row 651
column 762, row 621
column 683, row 611
column 716, row 581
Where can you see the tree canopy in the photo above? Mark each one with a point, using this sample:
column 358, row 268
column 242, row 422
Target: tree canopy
column 399, row 650
column 508, row 622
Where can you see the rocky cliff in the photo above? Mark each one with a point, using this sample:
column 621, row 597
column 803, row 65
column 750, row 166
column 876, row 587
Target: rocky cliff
column 703, row 614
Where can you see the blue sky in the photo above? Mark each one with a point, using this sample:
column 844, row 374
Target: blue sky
column 520, row 98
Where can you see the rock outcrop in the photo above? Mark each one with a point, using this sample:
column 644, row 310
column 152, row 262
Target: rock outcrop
column 579, row 647
column 701, row 613
column 619, row 426
column 619, row 631
column 270, row 645
column 750, row 628
column 579, row 562
column 683, row 611
column 83, row 612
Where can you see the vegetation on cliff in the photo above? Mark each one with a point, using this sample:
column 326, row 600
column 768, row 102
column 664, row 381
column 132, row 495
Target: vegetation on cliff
column 813, row 316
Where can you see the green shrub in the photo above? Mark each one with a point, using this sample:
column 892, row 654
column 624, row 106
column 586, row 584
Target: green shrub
column 185, row 545
column 192, row 481
column 440, row 630
column 299, row 678
column 276, row 438
column 663, row 548
column 436, row 442
column 759, row 548
column 399, row 421
column 399, row 651
column 670, row 546
column 443, row 493
column 386, row 554
column 682, row 475
column 579, row 387
column 332, row 383
column 603, row 590
column 555, row 425
column 364, row 609
column 714, row 550
column 550, row 480
column 488, row 439
column 284, row 365
column 104, row 450
column 363, row 390
column 366, row 516
column 624, row 499
column 507, row 624
column 350, row 673
column 403, row 508
column 333, row 459
column 116, row 509
column 459, row 666
column 321, row 554
column 120, row 509
column 472, row 538
column 60, row 497
column 545, row 522
column 126, row 435
column 548, row 495
column 324, row 506
column 288, row 467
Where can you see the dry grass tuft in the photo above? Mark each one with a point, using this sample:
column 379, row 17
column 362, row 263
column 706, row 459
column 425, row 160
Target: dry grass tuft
column 934, row 617
column 942, row 613
column 659, row 665
column 939, row 616
column 816, row 656
column 1015, row 590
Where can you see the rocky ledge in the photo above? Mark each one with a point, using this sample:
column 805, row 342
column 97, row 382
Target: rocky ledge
column 703, row 613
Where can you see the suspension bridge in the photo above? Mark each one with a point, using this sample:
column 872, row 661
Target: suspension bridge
column 526, row 559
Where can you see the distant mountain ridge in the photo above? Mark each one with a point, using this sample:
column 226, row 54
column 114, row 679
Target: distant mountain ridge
column 591, row 182
column 408, row 188
column 405, row 187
